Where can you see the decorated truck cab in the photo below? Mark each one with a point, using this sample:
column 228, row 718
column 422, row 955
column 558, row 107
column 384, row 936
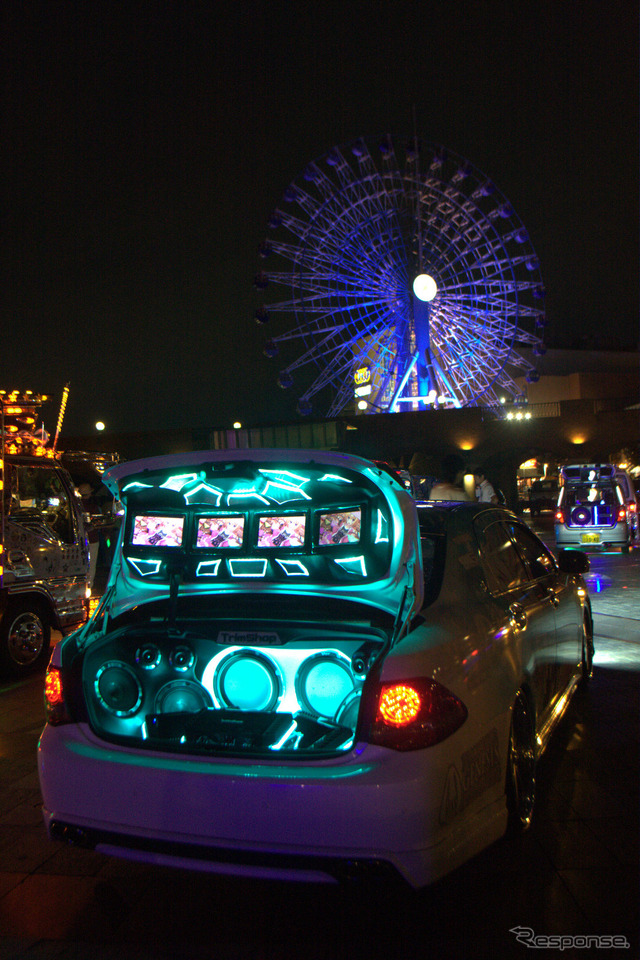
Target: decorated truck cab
column 44, row 574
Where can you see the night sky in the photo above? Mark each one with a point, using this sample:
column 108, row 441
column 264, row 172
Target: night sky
column 146, row 144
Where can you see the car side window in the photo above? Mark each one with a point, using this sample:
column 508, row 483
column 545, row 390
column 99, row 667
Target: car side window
column 502, row 564
column 532, row 550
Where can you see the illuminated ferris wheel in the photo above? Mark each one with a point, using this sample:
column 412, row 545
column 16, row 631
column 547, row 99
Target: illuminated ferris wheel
column 404, row 278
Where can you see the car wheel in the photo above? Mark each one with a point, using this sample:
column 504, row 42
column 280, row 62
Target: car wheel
column 25, row 637
column 521, row 766
column 586, row 665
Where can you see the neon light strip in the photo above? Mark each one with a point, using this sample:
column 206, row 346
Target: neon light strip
column 285, row 736
column 357, row 562
column 145, row 567
column 293, row 568
column 334, row 476
column 178, row 482
column 382, row 532
column 135, row 485
column 243, row 568
column 205, row 487
column 207, row 568
column 296, row 491
column 283, row 474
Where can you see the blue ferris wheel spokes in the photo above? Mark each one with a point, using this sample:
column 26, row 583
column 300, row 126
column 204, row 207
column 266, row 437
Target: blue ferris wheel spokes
column 348, row 241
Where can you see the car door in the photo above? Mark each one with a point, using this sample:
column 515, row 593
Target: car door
column 560, row 589
column 527, row 603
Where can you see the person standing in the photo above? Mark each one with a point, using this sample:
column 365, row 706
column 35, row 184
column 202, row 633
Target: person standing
column 450, row 486
column 484, row 490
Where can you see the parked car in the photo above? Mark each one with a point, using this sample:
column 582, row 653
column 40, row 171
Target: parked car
column 592, row 512
column 298, row 672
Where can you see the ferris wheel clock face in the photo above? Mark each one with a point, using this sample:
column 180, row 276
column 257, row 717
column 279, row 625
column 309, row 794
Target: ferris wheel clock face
column 396, row 277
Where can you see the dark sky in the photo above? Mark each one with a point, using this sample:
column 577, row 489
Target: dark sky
column 145, row 145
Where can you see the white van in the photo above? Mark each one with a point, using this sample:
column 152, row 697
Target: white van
column 592, row 511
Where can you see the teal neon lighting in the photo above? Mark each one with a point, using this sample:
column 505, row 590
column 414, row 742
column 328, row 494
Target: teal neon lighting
column 135, row 485
column 278, row 745
column 248, row 568
column 246, row 493
column 382, row 529
column 294, row 479
column 283, row 481
column 204, row 493
column 144, row 567
column 293, row 568
column 354, row 565
column 333, row 477
column 207, row 568
column 279, row 489
column 178, row 482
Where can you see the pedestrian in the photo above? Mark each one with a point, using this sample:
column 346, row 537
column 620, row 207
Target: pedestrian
column 449, row 487
column 484, row 490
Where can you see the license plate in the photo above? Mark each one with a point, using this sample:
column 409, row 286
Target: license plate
column 589, row 538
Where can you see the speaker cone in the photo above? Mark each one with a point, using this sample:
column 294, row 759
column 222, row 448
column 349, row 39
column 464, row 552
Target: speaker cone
column 148, row 656
column 580, row 516
column 118, row 688
column 323, row 683
column 248, row 681
column 182, row 696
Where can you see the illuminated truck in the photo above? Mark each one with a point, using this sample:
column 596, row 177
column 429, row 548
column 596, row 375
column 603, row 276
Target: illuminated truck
column 44, row 555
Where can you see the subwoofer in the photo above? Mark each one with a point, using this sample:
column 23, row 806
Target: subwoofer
column 247, row 680
column 323, row 683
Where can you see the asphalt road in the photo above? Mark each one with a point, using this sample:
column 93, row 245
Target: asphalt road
column 573, row 876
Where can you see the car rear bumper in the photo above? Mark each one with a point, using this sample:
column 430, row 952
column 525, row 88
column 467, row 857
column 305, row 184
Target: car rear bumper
column 585, row 538
column 376, row 812
column 257, row 864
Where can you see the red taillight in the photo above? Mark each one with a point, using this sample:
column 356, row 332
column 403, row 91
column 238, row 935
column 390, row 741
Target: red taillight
column 622, row 514
column 559, row 516
column 55, row 707
column 399, row 704
column 416, row 713
column 633, row 508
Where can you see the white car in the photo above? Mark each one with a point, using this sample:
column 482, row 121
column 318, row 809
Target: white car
column 298, row 672
column 592, row 512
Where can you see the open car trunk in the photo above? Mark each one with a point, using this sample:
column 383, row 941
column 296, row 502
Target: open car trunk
column 241, row 683
column 251, row 594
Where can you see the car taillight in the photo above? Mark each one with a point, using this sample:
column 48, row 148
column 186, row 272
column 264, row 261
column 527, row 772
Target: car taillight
column 416, row 713
column 622, row 514
column 633, row 508
column 54, row 703
column 559, row 516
